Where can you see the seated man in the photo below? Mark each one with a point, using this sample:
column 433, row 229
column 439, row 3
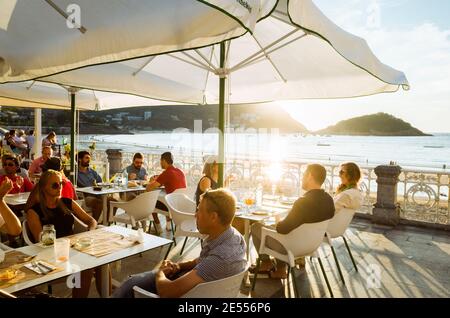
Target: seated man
column 21, row 172
column 222, row 255
column 314, row 206
column 172, row 179
column 88, row 177
column 36, row 165
column 11, row 166
column 135, row 172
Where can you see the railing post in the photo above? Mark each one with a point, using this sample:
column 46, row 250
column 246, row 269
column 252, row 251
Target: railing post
column 115, row 160
column 386, row 211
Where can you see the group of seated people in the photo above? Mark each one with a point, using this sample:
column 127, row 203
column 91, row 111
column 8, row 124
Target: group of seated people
column 21, row 143
column 222, row 252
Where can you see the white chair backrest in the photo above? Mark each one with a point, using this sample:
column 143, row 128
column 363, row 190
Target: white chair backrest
column 179, row 202
column 142, row 206
column 306, row 239
column 228, row 287
column 340, row 222
column 27, row 237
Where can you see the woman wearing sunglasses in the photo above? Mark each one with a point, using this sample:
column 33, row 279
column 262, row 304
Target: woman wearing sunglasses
column 54, row 209
column 347, row 194
column 67, row 190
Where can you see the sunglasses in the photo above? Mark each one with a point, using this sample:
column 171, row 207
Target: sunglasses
column 10, row 164
column 57, row 185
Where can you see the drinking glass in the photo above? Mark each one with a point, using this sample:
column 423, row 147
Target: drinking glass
column 249, row 200
column 62, row 248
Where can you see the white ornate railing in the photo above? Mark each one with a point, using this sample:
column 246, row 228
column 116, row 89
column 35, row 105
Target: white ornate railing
column 423, row 195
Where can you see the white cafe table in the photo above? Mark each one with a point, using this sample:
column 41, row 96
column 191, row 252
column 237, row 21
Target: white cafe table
column 79, row 261
column 272, row 211
column 104, row 192
column 17, row 198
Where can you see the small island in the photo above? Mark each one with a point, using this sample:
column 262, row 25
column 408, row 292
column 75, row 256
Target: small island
column 380, row 124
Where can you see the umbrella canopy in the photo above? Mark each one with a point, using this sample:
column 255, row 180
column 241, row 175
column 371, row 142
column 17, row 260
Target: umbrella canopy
column 47, row 95
column 294, row 53
column 40, row 38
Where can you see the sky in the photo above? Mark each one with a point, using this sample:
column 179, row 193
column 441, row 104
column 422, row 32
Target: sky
column 410, row 35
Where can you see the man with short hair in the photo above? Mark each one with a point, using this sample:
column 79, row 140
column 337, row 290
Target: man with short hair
column 22, row 172
column 222, row 254
column 136, row 171
column 87, row 177
column 11, row 166
column 314, row 206
column 36, row 165
column 172, row 179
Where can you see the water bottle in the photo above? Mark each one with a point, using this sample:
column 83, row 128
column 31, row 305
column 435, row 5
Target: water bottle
column 125, row 178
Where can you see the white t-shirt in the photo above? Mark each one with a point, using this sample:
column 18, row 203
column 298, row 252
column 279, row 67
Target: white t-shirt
column 350, row 199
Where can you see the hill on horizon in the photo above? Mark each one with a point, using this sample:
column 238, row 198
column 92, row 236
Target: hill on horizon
column 379, row 124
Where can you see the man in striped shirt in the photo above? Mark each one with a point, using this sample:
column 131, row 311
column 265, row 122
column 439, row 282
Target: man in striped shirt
column 222, row 255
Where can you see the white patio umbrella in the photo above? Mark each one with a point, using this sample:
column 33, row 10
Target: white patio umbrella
column 44, row 37
column 294, row 53
column 53, row 96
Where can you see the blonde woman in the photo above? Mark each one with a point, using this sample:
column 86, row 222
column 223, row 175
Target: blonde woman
column 347, row 194
column 51, row 208
column 209, row 178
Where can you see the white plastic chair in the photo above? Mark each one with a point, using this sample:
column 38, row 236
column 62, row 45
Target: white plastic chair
column 82, row 204
column 137, row 210
column 167, row 213
column 336, row 228
column 228, row 287
column 78, row 227
column 25, row 230
column 182, row 210
column 301, row 242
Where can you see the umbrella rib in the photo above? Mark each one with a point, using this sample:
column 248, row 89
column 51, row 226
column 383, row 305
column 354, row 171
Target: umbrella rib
column 205, row 59
column 143, row 66
column 207, row 73
column 259, row 58
column 82, row 29
column 266, row 55
column 197, row 62
column 227, row 52
column 255, row 55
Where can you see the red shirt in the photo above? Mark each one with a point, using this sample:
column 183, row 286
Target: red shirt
column 67, row 190
column 27, row 186
column 172, row 178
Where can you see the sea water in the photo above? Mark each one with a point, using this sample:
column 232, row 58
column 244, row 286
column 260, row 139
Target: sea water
column 412, row 152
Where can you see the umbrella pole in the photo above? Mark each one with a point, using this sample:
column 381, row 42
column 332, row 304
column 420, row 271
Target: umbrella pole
column 222, row 79
column 73, row 115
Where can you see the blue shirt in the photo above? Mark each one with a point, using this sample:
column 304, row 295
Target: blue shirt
column 86, row 179
column 140, row 173
column 222, row 257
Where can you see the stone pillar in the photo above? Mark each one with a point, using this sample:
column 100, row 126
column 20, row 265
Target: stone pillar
column 115, row 160
column 386, row 211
